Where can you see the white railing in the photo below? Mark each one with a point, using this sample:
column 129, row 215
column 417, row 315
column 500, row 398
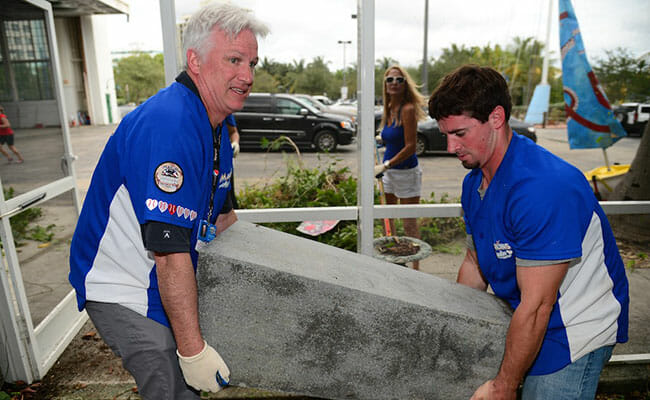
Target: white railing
column 401, row 211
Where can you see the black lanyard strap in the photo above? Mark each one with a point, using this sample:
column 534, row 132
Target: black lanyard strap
column 216, row 143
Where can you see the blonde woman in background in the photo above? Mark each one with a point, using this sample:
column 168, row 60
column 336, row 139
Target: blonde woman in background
column 402, row 179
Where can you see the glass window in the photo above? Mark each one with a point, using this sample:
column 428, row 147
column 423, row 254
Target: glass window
column 26, row 40
column 5, row 90
column 33, row 80
column 288, row 107
column 257, row 105
column 29, row 55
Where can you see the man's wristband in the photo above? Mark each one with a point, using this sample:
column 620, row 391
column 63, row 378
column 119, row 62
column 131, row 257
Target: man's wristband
column 387, row 164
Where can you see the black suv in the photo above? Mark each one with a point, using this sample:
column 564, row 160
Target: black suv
column 273, row 115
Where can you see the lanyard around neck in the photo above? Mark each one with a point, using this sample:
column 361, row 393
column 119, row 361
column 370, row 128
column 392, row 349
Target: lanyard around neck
column 216, row 144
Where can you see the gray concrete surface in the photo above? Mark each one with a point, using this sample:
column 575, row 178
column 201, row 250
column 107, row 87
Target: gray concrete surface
column 294, row 315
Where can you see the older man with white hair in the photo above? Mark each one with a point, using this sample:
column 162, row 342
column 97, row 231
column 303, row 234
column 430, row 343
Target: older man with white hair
column 161, row 186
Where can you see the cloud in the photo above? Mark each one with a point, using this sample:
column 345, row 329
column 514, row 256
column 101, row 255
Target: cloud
column 304, row 29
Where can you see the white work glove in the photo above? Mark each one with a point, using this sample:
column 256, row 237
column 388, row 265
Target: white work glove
column 379, row 140
column 235, row 149
column 205, row 371
column 379, row 169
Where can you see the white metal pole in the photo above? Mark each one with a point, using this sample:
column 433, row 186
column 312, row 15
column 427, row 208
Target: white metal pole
column 366, row 127
column 344, row 92
column 547, row 44
column 170, row 55
column 425, row 66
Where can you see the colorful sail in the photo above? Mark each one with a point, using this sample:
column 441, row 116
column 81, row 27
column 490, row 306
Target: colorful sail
column 590, row 120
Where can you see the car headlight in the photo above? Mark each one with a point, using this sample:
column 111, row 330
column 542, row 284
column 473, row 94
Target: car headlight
column 531, row 129
column 346, row 125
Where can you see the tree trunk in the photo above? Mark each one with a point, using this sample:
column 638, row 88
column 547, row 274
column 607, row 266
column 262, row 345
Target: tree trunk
column 635, row 186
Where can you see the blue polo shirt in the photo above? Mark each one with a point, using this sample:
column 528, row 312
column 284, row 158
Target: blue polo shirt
column 537, row 210
column 157, row 166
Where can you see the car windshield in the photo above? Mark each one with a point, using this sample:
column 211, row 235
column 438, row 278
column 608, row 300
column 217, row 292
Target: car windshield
column 304, row 103
column 311, row 102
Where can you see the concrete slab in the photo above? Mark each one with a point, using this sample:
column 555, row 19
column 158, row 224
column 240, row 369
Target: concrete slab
column 293, row 315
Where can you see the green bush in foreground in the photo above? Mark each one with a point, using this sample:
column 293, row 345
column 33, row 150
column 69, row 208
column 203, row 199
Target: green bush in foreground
column 330, row 186
column 21, row 224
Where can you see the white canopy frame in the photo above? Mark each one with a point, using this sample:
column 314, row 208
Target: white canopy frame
column 32, row 351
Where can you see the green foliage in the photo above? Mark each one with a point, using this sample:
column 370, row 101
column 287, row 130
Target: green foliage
column 21, row 224
column 139, row 77
column 623, row 77
column 438, row 232
column 264, row 82
column 305, row 187
column 327, row 185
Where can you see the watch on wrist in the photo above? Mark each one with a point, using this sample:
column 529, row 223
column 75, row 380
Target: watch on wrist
column 387, row 164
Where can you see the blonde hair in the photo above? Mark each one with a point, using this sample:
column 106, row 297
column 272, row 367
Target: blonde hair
column 411, row 96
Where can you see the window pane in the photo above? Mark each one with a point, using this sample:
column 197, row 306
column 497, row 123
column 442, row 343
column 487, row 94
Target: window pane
column 39, row 40
column 5, row 91
column 33, row 80
column 26, row 40
column 287, row 107
column 19, row 40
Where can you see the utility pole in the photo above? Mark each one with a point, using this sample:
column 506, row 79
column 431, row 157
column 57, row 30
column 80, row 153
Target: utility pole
column 344, row 88
column 425, row 66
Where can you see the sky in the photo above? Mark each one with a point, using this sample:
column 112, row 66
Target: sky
column 304, row 29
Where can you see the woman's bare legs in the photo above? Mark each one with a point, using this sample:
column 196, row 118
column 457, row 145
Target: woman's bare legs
column 411, row 224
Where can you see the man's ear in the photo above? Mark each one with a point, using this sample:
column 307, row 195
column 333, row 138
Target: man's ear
column 497, row 117
column 193, row 61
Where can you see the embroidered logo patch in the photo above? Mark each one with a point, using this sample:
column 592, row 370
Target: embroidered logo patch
column 502, row 250
column 168, row 177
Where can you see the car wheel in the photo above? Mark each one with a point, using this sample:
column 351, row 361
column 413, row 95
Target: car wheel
column 420, row 145
column 325, row 141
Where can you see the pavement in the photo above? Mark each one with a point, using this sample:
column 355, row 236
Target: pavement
column 44, row 265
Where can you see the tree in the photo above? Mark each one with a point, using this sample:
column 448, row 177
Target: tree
column 635, row 186
column 264, row 82
column 623, row 77
column 314, row 79
column 139, row 77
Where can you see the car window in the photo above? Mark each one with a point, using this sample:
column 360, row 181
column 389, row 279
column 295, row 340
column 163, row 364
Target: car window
column 645, row 109
column 288, row 107
column 311, row 102
column 258, row 105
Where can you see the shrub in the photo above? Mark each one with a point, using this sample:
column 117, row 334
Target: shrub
column 20, row 224
column 331, row 186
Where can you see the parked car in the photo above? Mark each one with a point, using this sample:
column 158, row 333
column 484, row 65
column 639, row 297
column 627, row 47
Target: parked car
column 324, row 99
column 311, row 100
column 633, row 116
column 271, row 116
column 429, row 137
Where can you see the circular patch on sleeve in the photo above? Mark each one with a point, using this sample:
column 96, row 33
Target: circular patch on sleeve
column 168, row 177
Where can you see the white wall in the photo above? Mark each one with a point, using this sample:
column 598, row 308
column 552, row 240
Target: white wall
column 99, row 69
column 71, row 67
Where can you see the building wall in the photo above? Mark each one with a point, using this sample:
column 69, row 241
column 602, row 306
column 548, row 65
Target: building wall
column 72, row 65
column 100, row 82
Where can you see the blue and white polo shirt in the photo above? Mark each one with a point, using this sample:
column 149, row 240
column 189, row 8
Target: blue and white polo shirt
column 157, row 166
column 538, row 210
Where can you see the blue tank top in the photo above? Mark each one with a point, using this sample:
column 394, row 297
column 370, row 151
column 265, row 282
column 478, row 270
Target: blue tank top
column 393, row 137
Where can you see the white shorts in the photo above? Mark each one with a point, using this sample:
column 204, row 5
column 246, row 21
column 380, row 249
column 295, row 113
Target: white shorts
column 403, row 183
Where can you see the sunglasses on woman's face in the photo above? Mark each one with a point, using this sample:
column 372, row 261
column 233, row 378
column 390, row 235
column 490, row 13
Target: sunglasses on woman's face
column 398, row 79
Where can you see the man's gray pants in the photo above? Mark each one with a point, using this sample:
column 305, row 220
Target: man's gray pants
column 147, row 349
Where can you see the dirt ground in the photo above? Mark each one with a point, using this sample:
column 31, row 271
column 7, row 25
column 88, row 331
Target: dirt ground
column 88, row 369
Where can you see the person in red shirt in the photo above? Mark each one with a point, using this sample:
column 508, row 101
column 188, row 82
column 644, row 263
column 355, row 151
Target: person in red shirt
column 7, row 137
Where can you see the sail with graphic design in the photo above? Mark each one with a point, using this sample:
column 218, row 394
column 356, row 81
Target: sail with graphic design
column 590, row 120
